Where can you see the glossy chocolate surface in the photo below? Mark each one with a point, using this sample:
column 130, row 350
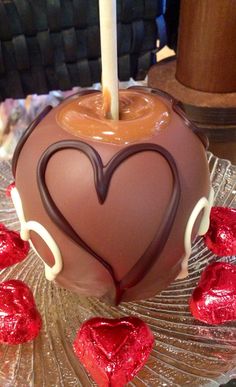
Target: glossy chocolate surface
column 102, row 178
column 127, row 203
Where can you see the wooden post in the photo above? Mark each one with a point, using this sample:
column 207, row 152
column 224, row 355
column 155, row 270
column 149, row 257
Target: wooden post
column 206, row 57
column 203, row 78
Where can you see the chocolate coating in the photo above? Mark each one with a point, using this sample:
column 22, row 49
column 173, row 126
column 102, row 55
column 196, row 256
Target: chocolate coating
column 102, row 177
column 125, row 206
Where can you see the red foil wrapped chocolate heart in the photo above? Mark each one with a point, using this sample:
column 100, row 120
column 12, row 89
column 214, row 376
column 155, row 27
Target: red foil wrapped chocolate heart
column 20, row 320
column 221, row 236
column 214, row 299
column 9, row 188
column 113, row 351
column 12, row 248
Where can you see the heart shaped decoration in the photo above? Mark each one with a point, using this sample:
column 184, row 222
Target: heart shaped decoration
column 19, row 319
column 102, row 178
column 221, row 236
column 113, row 351
column 12, row 248
column 214, row 299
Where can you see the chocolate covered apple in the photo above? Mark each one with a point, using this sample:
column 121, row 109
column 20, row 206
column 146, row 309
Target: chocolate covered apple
column 111, row 206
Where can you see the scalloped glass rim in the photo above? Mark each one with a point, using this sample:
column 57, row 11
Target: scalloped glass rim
column 186, row 351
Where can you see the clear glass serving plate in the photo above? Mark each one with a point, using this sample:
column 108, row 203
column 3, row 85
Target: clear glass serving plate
column 187, row 352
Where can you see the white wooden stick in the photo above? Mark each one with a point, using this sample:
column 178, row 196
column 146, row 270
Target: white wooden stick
column 108, row 36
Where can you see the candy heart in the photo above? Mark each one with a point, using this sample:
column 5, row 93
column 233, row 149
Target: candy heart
column 221, row 236
column 19, row 319
column 214, row 299
column 12, row 248
column 113, row 351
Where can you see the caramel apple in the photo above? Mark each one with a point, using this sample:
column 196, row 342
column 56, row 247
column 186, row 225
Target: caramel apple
column 111, row 206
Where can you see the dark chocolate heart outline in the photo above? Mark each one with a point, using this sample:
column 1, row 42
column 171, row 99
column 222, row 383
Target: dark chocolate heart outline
column 102, row 178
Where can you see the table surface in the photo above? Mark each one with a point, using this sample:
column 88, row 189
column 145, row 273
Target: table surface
column 225, row 151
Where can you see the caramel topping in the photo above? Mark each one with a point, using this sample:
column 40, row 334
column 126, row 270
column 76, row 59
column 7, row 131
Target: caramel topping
column 141, row 115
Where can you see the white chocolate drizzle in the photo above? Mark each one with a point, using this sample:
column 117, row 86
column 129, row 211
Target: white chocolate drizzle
column 52, row 272
column 27, row 226
column 203, row 204
column 205, row 223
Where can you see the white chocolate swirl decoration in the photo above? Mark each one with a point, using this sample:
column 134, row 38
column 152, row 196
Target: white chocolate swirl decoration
column 27, row 226
column 205, row 205
column 52, row 272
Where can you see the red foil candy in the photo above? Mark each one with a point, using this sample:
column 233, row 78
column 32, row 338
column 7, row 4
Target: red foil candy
column 9, row 188
column 221, row 236
column 214, row 299
column 12, row 248
column 19, row 319
column 113, row 351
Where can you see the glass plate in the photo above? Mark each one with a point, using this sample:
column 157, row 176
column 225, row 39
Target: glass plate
column 187, row 352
